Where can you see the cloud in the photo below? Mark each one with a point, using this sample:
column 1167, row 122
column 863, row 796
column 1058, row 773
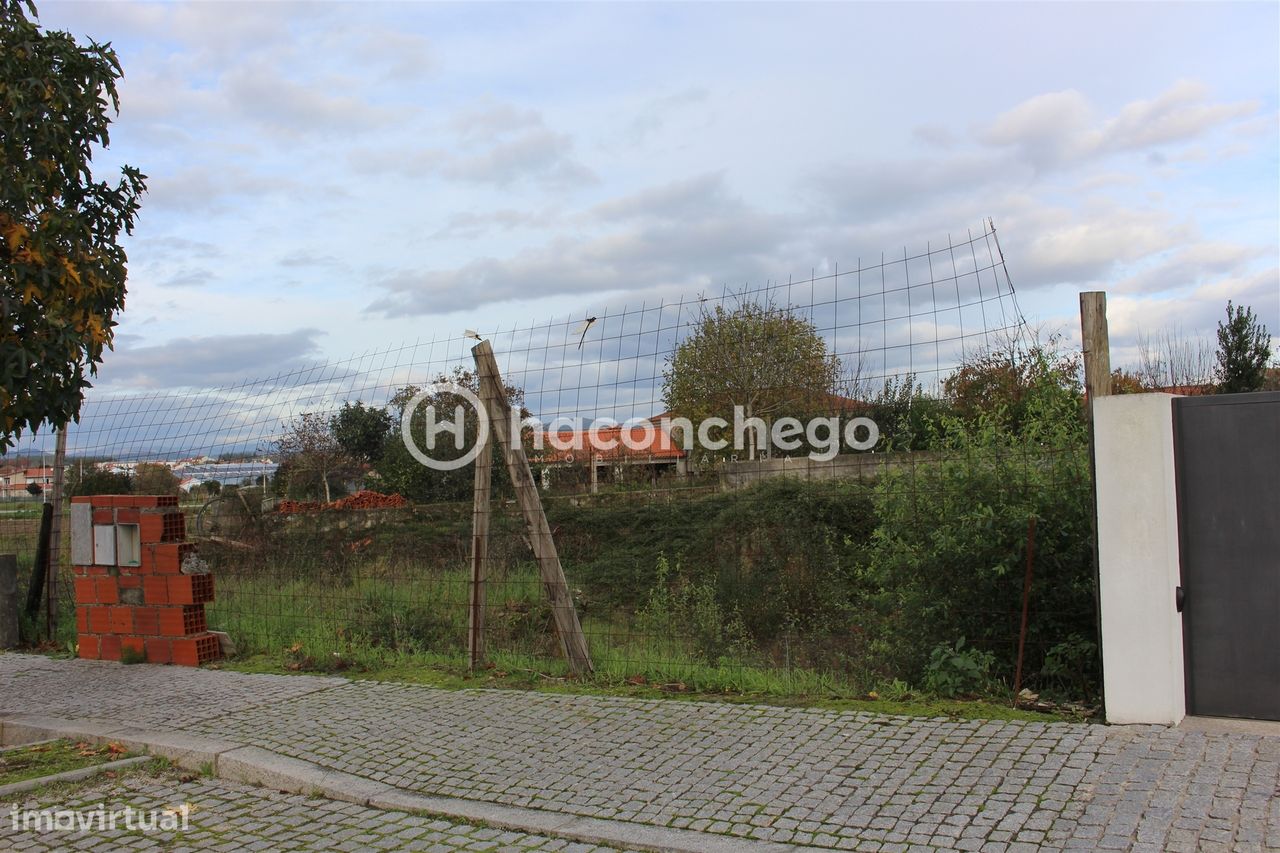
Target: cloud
column 1189, row 266
column 1086, row 246
column 303, row 259
column 262, row 93
column 934, row 136
column 538, row 154
column 872, row 190
column 189, row 277
column 405, row 56
column 1061, row 128
column 691, row 254
column 504, row 145
column 209, row 361
column 494, row 121
column 174, row 246
column 653, row 116
column 700, row 195
column 471, row 225
column 205, row 188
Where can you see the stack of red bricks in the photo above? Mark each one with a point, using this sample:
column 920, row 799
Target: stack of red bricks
column 134, row 601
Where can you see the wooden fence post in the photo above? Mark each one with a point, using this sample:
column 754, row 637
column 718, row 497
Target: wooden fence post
column 8, row 601
column 1097, row 383
column 1097, row 345
column 55, row 536
column 479, row 548
column 498, row 409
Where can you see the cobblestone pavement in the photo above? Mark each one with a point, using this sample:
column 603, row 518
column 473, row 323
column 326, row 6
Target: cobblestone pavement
column 229, row 817
column 813, row 777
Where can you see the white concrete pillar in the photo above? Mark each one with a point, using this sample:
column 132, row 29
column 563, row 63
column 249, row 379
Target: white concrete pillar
column 1138, row 559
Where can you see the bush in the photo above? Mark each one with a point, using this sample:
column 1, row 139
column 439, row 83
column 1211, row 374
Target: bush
column 953, row 670
column 686, row 611
column 948, row 555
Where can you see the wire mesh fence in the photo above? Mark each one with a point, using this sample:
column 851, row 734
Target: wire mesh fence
column 788, row 559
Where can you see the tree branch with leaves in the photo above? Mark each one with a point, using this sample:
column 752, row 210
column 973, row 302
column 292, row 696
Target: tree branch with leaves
column 62, row 268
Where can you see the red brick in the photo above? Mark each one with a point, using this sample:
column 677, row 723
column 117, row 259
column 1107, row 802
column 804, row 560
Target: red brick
column 167, row 500
column 82, row 619
column 135, row 644
column 190, row 589
column 97, row 571
column 155, row 589
column 175, row 527
column 86, row 591
column 100, row 620
column 165, row 558
column 196, row 650
column 82, row 499
column 146, row 621
column 102, row 500
column 151, row 529
column 103, row 516
column 143, row 501
column 121, row 620
column 88, row 646
column 182, row 621
column 127, row 515
column 80, row 571
column 109, row 647
column 108, row 590
column 163, row 525
column 159, row 650
column 129, row 581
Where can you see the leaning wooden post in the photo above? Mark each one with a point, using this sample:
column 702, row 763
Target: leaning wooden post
column 1097, row 383
column 498, row 409
column 479, row 548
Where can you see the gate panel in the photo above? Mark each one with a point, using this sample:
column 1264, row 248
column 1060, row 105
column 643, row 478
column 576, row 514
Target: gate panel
column 1228, row 473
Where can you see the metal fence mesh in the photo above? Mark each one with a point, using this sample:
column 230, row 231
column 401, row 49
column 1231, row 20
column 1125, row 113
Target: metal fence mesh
column 738, row 570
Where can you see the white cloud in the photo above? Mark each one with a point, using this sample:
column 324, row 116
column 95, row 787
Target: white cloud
column 209, row 361
column 1062, row 129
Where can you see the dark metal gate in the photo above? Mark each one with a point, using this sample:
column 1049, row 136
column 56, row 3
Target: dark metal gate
column 1227, row 460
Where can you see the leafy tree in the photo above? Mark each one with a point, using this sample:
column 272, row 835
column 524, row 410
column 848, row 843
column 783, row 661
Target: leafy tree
column 765, row 358
column 1126, row 382
column 62, row 269
column 999, row 382
column 35, row 489
column 154, row 478
column 361, row 430
column 312, row 456
column 89, row 479
column 1244, row 347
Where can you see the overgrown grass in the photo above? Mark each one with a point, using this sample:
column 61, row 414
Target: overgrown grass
column 414, row 631
column 32, row 762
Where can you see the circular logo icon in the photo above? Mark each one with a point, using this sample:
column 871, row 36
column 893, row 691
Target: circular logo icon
column 433, row 426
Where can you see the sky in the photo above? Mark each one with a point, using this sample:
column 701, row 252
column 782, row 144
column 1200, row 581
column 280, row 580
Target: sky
column 330, row 178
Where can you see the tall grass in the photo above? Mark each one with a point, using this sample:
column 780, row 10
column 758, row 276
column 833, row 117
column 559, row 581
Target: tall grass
column 374, row 623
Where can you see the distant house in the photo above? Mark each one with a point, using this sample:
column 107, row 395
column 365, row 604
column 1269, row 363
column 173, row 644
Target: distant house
column 15, row 483
column 611, row 453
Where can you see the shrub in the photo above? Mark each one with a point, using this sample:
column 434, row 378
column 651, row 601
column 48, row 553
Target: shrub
column 948, row 554
column 954, row 670
column 687, row 612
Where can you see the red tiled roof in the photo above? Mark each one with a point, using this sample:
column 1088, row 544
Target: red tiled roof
column 655, row 443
